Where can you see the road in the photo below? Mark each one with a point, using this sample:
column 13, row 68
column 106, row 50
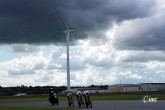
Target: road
column 99, row 105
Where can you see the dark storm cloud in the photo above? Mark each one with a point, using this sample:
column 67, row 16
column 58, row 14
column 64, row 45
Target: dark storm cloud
column 27, row 21
column 35, row 21
column 141, row 34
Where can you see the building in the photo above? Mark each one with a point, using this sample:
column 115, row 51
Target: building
column 143, row 87
column 94, row 89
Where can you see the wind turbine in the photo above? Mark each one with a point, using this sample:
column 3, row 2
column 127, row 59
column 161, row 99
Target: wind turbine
column 67, row 32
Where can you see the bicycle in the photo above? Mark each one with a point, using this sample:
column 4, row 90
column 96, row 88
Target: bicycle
column 82, row 104
column 88, row 102
column 70, row 102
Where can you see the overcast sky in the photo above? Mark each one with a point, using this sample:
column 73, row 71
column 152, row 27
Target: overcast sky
column 115, row 42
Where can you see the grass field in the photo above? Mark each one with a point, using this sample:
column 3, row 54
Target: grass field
column 127, row 97
column 92, row 97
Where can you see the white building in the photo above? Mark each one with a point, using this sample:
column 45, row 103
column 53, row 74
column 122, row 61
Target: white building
column 144, row 87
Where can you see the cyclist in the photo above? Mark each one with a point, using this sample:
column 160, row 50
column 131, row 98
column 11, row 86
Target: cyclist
column 87, row 100
column 53, row 99
column 86, row 95
column 79, row 97
column 70, row 100
column 51, row 92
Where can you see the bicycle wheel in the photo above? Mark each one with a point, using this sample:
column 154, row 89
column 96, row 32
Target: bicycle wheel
column 90, row 104
column 72, row 104
column 82, row 104
column 86, row 103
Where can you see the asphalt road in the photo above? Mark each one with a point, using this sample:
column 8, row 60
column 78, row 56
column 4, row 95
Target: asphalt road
column 99, row 105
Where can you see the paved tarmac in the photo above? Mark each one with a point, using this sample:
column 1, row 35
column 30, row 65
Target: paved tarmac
column 98, row 105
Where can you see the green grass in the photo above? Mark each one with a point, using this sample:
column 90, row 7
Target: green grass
column 22, row 99
column 127, row 97
column 30, row 99
column 93, row 97
column 118, row 97
column 30, row 108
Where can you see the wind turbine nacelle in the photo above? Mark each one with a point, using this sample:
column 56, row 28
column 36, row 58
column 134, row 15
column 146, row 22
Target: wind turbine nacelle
column 67, row 31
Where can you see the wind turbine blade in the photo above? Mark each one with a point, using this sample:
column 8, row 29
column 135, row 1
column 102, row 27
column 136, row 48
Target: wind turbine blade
column 61, row 19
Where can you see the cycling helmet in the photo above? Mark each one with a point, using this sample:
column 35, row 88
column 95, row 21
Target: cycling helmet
column 86, row 93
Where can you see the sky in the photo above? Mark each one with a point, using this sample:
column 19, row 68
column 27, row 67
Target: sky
column 115, row 42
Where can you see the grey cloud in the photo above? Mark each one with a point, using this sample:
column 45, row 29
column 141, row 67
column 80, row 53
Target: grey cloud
column 60, row 63
column 24, row 71
column 76, row 63
column 53, row 66
column 141, row 34
column 43, row 79
column 98, row 14
column 39, row 66
column 104, row 63
column 35, row 21
column 25, row 48
column 20, row 72
column 145, row 57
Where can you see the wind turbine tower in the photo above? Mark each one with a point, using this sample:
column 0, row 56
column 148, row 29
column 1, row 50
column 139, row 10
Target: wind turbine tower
column 67, row 32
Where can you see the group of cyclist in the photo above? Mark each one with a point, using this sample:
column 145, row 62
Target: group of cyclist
column 83, row 99
column 80, row 100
